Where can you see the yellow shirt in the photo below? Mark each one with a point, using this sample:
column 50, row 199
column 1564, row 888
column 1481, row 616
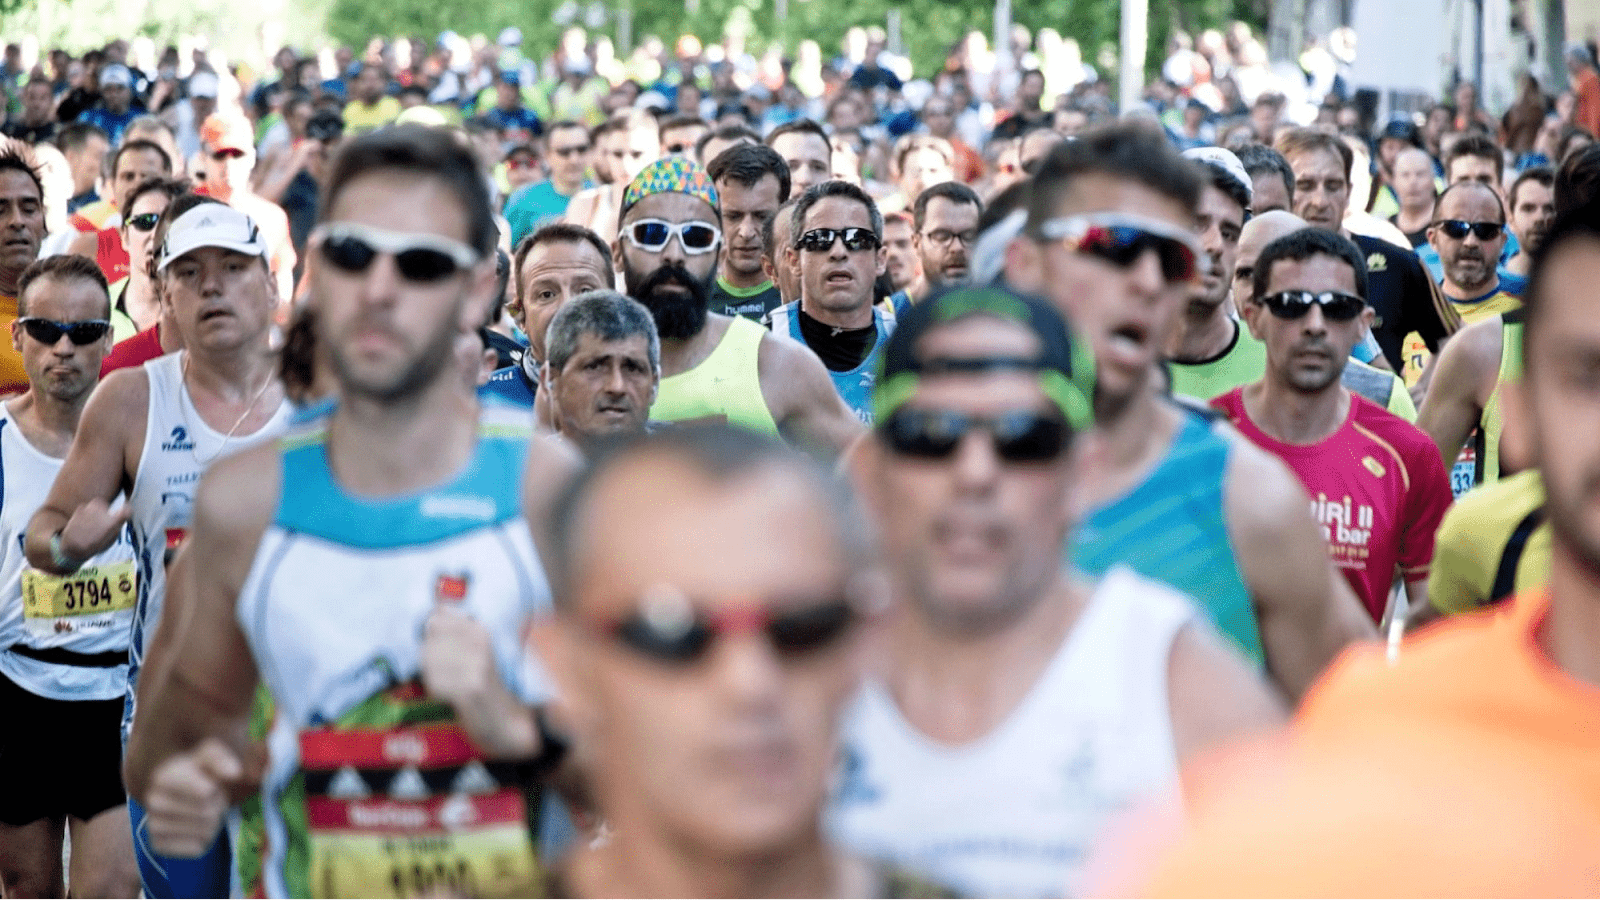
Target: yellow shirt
column 1495, row 533
column 1493, row 303
column 13, row 377
column 361, row 118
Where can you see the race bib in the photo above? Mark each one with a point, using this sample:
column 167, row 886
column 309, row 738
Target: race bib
column 413, row 811
column 1464, row 471
column 94, row 598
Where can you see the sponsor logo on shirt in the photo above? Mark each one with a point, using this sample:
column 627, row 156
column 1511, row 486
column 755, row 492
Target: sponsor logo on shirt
column 1343, row 522
column 1377, row 262
column 178, row 440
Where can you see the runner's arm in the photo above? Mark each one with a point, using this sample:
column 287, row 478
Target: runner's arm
column 1455, row 402
column 1214, row 696
column 104, row 453
column 809, row 412
column 1306, row 610
column 206, row 698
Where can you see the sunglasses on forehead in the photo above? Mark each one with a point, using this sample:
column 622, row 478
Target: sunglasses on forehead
column 49, row 331
column 670, row 629
column 1336, row 305
column 1122, row 240
column 421, row 258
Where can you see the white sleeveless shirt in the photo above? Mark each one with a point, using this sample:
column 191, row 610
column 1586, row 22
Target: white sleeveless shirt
column 178, row 447
column 89, row 612
column 1015, row 813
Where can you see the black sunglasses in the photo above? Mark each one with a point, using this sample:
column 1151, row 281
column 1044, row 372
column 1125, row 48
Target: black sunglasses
column 419, row 258
column 820, row 240
column 49, row 331
column 1024, row 436
column 793, row 633
column 1456, row 229
column 1336, row 306
column 144, row 221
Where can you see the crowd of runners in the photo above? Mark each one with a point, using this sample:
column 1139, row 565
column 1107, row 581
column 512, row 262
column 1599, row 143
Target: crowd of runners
column 462, row 469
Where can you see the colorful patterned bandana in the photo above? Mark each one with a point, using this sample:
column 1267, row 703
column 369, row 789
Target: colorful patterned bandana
column 674, row 174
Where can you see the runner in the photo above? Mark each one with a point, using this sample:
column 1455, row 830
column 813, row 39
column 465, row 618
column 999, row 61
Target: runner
column 714, row 366
column 135, row 162
column 148, row 433
column 63, row 641
column 404, row 709
column 1377, row 486
column 1110, row 240
column 711, row 744
column 839, row 253
column 1040, row 704
column 1209, row 339
column 21, row 232
column 1248, row 361
column 554, row 264
column 752, row 182
column 604, row 368
column 134, row 303
column 1485, row 725
column 806, row 148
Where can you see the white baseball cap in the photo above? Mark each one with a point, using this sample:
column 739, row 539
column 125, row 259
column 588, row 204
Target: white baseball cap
column 203, row 84
column 1226, row 162
column 212, row 225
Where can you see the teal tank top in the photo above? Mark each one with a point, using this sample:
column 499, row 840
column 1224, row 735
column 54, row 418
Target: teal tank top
column 1170, row 528
column 853, row 385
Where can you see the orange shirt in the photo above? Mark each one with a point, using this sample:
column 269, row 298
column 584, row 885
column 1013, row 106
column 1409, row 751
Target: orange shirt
column 13, row 377
column 1470, row 768
column 1586, row 89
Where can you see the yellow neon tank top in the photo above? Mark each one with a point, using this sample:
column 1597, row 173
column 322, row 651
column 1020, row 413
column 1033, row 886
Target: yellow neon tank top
column 725, row 387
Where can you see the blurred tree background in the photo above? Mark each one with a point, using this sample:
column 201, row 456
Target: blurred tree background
column 928, row 28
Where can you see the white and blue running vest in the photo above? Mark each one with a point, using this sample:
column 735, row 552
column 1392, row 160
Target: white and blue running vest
column 334, row 608
column 854, row 385
column 178, row 447
column 61, row 637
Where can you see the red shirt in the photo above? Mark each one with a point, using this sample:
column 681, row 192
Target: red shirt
column 135, row 351
column 111, row 255
column 1378, row 489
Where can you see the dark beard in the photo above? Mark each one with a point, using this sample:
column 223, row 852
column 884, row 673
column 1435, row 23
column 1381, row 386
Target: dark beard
column 678, row 316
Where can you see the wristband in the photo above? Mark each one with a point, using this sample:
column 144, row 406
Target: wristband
column 61, row 560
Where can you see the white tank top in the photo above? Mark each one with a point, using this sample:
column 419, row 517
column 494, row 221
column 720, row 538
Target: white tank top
column 1014, row 814
column 178, row 447
column 88, row 614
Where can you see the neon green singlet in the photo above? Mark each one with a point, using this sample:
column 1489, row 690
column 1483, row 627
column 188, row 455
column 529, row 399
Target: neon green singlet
column 726, row 386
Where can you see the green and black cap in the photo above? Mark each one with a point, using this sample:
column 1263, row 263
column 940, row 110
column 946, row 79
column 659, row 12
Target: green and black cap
column 1065, row 366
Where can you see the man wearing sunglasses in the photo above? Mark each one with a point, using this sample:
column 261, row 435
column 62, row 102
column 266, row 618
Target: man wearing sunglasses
column 1377, row 484
column 707, row 697
column 227, row 159
column 1110, row 241
column 374, row 574
column 544, row 201
column 1404, row 297
column 1469, row 232
column 135, row 162
column 839, row 255
column 752, row 182
column 63, row 640
column 1015, row 707
column 713, row 366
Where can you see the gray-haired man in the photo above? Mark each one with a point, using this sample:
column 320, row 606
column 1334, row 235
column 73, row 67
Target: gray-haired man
column 602, row 367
